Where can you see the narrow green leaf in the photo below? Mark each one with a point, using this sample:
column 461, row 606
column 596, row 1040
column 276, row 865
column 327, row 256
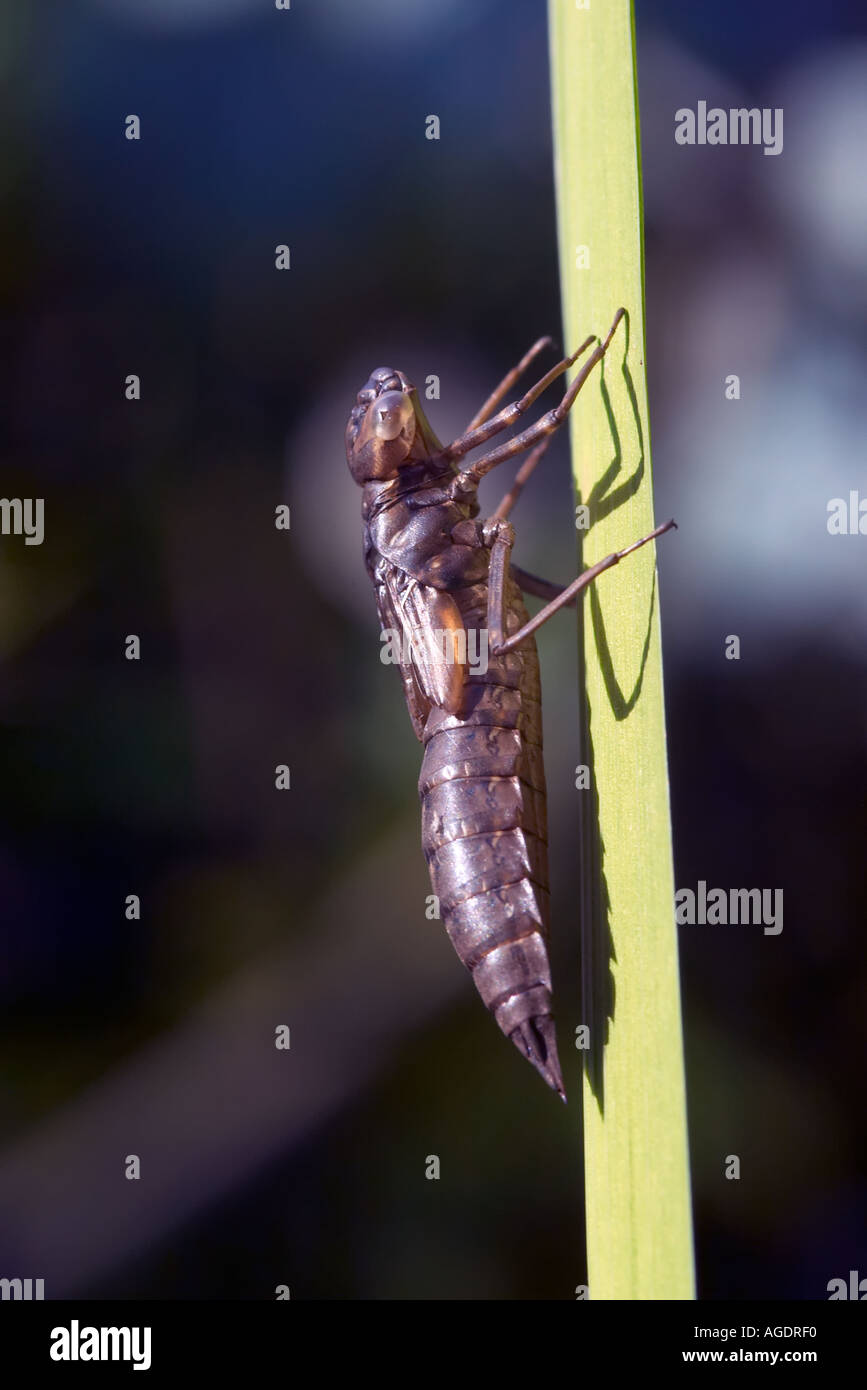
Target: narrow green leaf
column 639, row 1240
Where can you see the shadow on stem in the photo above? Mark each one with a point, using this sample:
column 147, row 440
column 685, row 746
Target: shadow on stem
column 597, row 941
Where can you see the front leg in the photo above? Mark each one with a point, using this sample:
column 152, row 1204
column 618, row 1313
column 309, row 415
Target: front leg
column 478, row 434
column 543, row 427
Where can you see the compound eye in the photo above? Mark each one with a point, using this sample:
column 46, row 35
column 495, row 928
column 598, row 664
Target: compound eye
column 392, row 411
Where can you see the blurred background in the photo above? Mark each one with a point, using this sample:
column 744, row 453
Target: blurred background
column 259, row 647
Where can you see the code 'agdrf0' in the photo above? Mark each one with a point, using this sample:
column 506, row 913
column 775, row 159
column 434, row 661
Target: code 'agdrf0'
column 440, row 573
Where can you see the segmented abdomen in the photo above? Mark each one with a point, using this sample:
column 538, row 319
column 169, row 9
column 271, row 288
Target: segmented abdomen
column 484, row 834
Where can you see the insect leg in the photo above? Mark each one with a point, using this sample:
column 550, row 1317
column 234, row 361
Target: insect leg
column 507, row 383
column 547, row 424
column 568, row 593
column 521, row 478
column 541, row 588
column 471, row 438
column 504, row 539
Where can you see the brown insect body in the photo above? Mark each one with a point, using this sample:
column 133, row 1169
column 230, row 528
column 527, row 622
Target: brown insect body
column 440, row 573
column 482, row 783
column 485, row 835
